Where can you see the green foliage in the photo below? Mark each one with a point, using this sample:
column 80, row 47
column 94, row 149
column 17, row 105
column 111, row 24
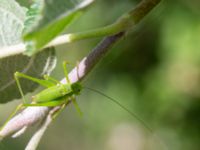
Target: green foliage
column 12, row 17
column 54, row 16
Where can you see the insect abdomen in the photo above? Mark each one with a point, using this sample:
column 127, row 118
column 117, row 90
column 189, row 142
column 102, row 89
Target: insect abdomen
column 52, row 93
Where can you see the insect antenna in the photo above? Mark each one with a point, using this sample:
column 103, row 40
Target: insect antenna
column 123, row 107
column 132, row 114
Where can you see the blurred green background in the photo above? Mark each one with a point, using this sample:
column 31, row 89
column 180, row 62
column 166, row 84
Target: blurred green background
column 154, row 71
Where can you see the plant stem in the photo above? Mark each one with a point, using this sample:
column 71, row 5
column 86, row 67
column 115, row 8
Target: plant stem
column 125, row 22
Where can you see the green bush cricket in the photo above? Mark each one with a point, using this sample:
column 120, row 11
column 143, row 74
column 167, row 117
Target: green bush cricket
column 55, row 93
column 59, row 94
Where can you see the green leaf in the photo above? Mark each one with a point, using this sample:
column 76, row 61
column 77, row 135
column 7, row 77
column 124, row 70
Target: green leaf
column 32, row 15
column 55, row 15
column 12, row 17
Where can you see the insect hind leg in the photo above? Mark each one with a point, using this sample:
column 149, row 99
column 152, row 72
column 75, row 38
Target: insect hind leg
column 17, row 75
column 46, row 83
column 20, row 106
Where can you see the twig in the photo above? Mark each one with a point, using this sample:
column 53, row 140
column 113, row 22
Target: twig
column 34, row 141
column 26, row 118
column 21, row 48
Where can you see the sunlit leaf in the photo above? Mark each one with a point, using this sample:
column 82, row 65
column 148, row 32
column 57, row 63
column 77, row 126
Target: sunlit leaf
column 54, row 17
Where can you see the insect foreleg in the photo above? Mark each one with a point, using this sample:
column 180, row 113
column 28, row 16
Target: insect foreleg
column 66, row 71
column 76, row 106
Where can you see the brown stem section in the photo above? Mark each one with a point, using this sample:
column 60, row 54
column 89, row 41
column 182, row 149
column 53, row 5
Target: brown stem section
column 142, row 9
column 87, row 63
